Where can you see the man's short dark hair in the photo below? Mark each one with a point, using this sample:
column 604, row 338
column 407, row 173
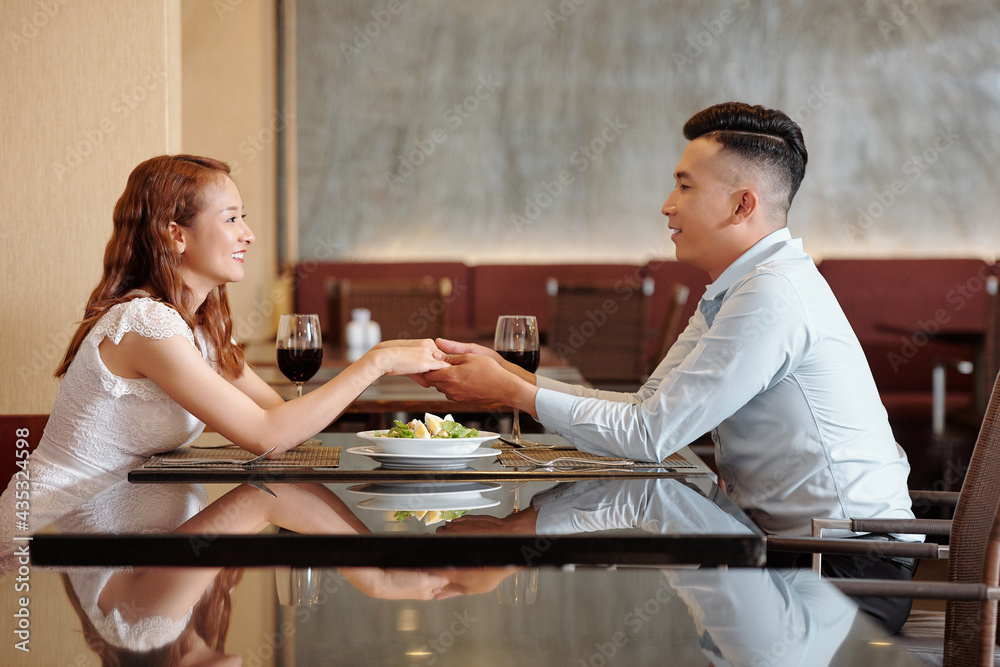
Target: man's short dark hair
column 766, row 138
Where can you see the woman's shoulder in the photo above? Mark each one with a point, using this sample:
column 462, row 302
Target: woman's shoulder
column 145, row 316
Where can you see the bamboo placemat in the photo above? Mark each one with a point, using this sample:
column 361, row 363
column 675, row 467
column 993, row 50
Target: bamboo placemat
column 510, row 458
column 304, row 456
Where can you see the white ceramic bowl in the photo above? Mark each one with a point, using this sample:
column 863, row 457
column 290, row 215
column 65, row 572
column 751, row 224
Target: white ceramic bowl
column 428, row 447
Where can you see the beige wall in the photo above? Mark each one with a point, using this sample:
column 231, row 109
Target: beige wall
column 91, row 89
column 89, row 93
column 93, row 93
column 230, row 113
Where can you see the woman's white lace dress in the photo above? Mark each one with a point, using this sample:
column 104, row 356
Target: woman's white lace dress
column 102, row 426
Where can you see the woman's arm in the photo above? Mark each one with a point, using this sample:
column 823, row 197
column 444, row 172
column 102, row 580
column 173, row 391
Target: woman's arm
column 180, row 371
column 303, row 508
column 259, row 391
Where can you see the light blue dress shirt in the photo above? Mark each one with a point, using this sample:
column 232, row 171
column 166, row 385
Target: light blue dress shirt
column 770, row 365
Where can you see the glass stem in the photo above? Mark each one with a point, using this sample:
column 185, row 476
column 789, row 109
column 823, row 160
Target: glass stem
column 515, row 432
column 298, row 389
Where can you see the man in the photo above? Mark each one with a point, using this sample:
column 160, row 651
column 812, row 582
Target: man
column 768, row 363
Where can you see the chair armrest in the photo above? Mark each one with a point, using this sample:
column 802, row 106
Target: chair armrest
column 916, row 590
column 943, row 498
column 906, row 526
column 825, row 545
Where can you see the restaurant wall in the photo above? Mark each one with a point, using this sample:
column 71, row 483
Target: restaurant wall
column 91, row 89
column 230, row 113
column 528, row 131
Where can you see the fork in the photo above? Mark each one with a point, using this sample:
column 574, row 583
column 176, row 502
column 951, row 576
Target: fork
column 573, row 460
column 211, row 461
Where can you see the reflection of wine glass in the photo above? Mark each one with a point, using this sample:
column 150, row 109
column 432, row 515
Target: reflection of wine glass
column 517, row 341
column 300, row 347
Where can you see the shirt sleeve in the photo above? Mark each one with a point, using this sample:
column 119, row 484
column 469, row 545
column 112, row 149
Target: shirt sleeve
column 758, row 336
column 659, row 506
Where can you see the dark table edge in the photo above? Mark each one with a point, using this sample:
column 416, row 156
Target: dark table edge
column 294, row 550
column 337, row 475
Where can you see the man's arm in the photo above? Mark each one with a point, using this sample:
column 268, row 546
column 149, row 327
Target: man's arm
column 758, row 336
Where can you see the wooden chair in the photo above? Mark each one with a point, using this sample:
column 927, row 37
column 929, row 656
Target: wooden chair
column 403, row 308
column 601, row 328
column 973, row 583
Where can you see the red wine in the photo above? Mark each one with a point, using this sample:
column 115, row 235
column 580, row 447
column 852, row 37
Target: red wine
column 526, row 359
column 299, row 365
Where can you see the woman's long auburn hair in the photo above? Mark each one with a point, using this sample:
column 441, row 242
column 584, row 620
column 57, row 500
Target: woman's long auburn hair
column 209, row 619
column 141, row 253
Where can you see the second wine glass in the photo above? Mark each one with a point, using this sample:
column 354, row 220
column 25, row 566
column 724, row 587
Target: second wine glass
column 516, row 341
column 300, row 348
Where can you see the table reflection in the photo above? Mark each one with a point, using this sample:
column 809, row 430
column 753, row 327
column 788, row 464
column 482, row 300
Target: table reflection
column 458, row 615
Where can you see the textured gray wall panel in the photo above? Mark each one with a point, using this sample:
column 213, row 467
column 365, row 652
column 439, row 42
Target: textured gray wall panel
column 426, row 127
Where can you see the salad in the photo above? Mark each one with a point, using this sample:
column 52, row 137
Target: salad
column 431, row 427
column 430, row 517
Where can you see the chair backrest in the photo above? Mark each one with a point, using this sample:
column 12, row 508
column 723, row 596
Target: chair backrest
column 601, row 328
column 403, row 308
column 970, row 628
column 671, row 324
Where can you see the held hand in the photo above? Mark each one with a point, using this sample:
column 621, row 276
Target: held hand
column 471, row 378
column 407, row 357
column 455, row 347
column 472, row 581
column 518, row 523
column 395, row 584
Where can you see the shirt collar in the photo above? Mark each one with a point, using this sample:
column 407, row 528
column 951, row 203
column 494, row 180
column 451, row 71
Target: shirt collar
column 756, row 255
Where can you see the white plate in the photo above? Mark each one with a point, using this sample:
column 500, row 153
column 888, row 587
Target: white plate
column 424, row 489
column 429, row 504
column 427, row 462
column 428, row 446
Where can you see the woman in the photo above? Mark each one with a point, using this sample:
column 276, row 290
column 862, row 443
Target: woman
column 153, row 360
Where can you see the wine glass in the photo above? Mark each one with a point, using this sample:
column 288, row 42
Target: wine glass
column 517, row 341
column 300, row 347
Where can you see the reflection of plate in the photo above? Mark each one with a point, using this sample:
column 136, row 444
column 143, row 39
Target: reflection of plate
column 427, row 462
column 427, row 503
column 424, row 489
column 428, row 446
